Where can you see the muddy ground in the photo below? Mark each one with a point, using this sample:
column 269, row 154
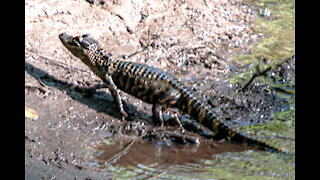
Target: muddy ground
column 193, row 41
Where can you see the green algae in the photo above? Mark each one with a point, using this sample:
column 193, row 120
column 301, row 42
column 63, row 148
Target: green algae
column 240, row 165
column 277, row 42
column 278, row 31
column 279, row 132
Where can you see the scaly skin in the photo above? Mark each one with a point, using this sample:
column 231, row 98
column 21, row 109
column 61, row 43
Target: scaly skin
column 153, row 86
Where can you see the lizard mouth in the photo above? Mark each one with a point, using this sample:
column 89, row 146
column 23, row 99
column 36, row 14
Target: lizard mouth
column 67, row 40
column 83, row 41
column 73, row 44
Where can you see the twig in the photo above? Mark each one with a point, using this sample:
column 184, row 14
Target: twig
column 264, row 72
column 126, row 148
column 158, row 175
column 41, row 88
column 254, row 76
column 57, row 63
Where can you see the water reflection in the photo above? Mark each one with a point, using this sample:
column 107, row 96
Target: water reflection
column 144, row 156
column 205, row 161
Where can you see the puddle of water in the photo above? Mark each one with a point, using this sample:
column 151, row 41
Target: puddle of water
column 209, row 160
column 160, row 155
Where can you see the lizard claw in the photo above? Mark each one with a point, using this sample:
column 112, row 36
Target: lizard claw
column 123, row 115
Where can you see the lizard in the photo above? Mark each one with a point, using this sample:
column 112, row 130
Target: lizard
column 154, row 86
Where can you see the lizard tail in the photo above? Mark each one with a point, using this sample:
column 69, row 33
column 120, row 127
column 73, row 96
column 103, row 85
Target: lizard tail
column 222, row 129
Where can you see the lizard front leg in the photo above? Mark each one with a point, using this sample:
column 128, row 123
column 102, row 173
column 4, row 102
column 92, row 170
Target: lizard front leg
column 115, row 92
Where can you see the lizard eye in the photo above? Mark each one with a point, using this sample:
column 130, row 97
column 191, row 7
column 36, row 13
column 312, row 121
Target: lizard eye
column 86, row 36
column 77, row 40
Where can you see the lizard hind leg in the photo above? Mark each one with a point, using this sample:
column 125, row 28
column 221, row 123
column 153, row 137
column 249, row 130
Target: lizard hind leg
column 164, row 101
column 157, row 114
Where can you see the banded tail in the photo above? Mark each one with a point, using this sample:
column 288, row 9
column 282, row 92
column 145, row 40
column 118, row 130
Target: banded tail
column 192, row 106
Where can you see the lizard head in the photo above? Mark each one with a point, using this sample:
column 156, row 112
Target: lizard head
column 80, row 46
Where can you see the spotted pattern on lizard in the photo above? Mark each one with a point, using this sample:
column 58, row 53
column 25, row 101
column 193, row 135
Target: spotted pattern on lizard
column 153, row 86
